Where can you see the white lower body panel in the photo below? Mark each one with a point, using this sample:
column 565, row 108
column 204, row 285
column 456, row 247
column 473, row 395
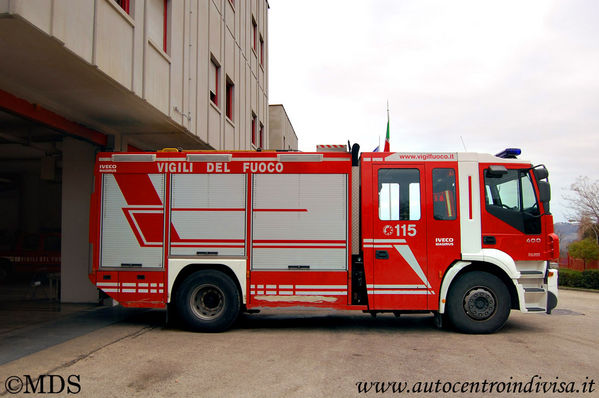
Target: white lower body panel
column 238, row 266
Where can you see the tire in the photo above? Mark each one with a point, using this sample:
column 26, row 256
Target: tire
column 478, row 302
column 208, row 301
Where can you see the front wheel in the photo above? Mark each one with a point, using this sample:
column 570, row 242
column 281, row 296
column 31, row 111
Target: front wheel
column 478, row 302
column 208, row 301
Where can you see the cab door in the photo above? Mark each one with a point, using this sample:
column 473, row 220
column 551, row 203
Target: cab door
column 442, row 223
column 399, row 238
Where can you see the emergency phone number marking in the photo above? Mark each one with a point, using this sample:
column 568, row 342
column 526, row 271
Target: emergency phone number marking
column 400, row 230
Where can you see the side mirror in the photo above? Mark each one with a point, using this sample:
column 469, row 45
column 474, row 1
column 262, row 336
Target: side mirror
column 544, row 192
column 541, row 173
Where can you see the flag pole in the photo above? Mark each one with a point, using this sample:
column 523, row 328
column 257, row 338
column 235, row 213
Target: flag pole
column 387, row 144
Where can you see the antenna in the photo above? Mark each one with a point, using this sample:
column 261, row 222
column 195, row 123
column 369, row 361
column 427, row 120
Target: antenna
column 463, row 144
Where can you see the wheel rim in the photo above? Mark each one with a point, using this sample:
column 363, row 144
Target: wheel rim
column 207, row 301
column 480, row 303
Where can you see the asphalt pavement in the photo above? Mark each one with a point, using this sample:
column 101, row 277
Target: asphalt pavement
column 320, row 354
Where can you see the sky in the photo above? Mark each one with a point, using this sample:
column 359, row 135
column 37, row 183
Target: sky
column 476, row 75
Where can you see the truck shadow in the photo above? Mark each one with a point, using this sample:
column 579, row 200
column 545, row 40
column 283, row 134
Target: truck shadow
column 339, row 322
column 324, row 321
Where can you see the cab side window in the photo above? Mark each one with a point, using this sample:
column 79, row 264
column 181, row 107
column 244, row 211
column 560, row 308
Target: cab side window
column 399, row 194
column 444, row 194
column 511, row 197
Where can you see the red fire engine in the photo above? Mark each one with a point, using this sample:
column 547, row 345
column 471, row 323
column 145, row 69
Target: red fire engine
column 466, row 236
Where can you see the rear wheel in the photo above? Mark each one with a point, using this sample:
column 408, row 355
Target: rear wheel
column 478, row 302
column 208, row 301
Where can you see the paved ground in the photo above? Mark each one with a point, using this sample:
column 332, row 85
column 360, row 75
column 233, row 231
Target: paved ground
column 312, row 355
column 23, row 305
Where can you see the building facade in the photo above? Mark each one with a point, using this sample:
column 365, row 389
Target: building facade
column 281, row 132
column 77, row 77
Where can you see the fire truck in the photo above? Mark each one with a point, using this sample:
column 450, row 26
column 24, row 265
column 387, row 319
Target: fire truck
column 209, row 234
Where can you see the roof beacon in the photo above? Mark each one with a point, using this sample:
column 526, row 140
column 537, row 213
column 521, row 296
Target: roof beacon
column 509, row 153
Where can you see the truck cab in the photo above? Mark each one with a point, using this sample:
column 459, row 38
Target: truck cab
column 468, row 236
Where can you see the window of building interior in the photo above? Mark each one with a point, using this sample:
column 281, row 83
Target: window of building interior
column 261, row 136
column 261, row 50
column 124, row 4
column 158, row 16
column 229, row 101
column 214, row 72
column 254, row 120
column 254, row 34
column 166, row 25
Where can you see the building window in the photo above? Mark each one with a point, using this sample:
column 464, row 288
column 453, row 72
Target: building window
column 158, row 22
column 214, row 72
column 254, row 34
column 254, row 119
column 229, row 100
column 165, row 26
column 261, row 50
column 261, row 136
column 124, row 4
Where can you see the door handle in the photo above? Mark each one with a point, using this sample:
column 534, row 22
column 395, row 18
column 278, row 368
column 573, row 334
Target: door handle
column 489, row 240
column 382, row 255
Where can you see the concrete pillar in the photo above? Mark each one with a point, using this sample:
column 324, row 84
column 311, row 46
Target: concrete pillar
column 124, row 144
column 77, row 184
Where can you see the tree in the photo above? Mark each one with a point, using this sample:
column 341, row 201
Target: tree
column 586, row 249
column 587, row 229
column 585, row 204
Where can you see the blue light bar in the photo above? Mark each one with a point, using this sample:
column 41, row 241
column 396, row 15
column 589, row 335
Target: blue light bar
column 509, row 153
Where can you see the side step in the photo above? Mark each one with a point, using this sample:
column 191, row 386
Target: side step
column 534, row 290
column 535, row 298
column 535, row 309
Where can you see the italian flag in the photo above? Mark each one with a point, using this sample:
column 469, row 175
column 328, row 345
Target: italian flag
column 387, row 146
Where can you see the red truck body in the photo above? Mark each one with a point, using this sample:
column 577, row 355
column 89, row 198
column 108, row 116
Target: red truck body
column 215, row 233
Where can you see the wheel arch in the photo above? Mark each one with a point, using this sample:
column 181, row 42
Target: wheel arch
column 180, row 270
column 462, row 267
